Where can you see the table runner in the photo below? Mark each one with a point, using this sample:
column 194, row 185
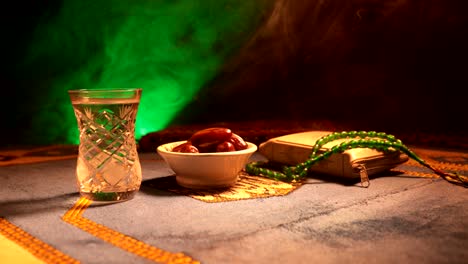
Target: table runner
column 249, row 187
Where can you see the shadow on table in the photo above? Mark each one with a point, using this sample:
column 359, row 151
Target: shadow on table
column 247, row 187
column 167, row 186
column 33, row 206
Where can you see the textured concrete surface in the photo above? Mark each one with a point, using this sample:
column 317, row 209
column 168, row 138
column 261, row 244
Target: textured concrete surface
column 398, row 219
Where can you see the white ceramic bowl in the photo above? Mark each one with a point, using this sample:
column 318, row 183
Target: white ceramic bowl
column 206, row 170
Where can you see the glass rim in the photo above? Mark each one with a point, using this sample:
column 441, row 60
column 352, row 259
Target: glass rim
column 110, row 93
column 100, row 90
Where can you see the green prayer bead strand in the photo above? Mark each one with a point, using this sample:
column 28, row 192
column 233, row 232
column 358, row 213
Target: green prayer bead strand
column 350, row 134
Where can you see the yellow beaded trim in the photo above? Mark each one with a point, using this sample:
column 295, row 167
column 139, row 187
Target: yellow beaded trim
column 417, row 174
column 137, row 247
column 36, row 247
column 452, row 163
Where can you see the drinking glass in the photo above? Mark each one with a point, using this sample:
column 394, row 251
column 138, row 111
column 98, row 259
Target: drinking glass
column 108, row 167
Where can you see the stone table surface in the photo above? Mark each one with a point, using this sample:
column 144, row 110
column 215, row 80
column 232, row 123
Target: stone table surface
column 398, row 219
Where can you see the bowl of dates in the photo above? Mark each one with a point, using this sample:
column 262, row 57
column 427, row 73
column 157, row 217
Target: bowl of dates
column 210, row 158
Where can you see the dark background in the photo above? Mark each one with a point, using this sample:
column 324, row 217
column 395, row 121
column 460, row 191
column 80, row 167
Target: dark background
column 398, row 65
column 394, row 65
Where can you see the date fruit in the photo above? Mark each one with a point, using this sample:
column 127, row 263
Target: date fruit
column 238, row 142
column 226, row 146
column 215, row 139
column 186, row 147
column 207, row 139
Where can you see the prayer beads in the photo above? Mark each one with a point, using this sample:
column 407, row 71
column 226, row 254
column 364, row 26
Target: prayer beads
column 359, row 139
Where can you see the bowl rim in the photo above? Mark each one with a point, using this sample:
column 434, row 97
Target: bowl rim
column 161, row 149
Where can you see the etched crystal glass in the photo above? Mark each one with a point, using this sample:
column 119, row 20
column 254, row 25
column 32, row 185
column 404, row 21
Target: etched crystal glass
column 108, row 167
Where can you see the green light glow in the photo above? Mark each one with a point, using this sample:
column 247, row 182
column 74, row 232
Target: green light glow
column 168, row 48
